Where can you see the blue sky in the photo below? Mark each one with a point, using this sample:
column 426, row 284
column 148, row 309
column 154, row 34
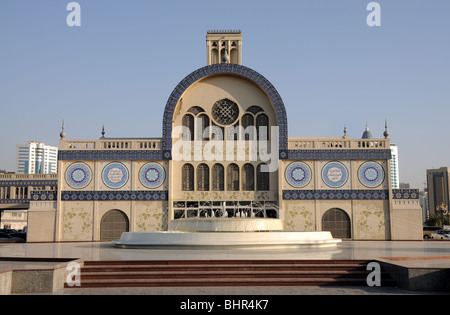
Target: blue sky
column 331, row 69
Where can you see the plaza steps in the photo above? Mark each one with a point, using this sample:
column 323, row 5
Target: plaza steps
column 194, row 273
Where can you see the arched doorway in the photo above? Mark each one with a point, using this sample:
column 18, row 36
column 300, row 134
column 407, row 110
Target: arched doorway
column 337, row 222
column 112, row 224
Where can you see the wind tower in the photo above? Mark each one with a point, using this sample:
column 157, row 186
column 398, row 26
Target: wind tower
column 224, row 46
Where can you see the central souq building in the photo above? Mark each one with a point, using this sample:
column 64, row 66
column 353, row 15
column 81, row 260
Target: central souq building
column 224, row 151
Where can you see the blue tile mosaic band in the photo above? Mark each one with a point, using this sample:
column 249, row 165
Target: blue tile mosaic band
column 43, row 196
column 152, row 175
column 332, row 154
column 26, row 183
column 111, row 155
column 335, row 194
column 224, row 68
column 405, row 193
column 78, row 175
column 115, row 175
column 371, row 174
column 114, row 195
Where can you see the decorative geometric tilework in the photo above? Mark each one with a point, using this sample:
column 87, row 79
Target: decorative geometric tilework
column 111, row 155
column 334, row 174
column 152, row 175
column 78, row 175
column 338, row 154
column 114, row 195
column 335, row 194
column 405, row 193
column 298, row 174
column 371, row 174
column 115, row 175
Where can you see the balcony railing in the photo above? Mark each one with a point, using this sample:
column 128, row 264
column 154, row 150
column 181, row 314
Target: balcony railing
column 111, row 144
column 336, row 143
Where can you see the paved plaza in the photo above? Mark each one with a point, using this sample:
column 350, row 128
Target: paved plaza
column 418, row 254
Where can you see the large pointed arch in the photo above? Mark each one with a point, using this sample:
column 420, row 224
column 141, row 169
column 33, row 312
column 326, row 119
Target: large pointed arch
column 223, row 68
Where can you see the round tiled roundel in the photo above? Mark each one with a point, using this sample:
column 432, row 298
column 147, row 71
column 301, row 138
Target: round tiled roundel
column 298, row 174
column 334, row 174
column 78, row 175
column 152, row 175
column 115, row 175
column 371, row 174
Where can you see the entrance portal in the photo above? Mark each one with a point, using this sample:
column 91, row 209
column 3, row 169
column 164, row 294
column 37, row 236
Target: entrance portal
column 112, row 225
column 337, row 222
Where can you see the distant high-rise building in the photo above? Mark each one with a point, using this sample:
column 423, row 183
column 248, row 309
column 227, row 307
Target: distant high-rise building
column 36, row 158
column 395, row 178
column 438, row 189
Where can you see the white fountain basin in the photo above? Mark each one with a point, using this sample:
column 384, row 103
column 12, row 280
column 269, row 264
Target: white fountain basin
column 226, row 225
column 220, row 239
column 219, row 232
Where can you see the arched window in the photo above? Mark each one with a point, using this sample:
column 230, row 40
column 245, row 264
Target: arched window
column 262, row 127
column 262, row 179
column 112, row 225
column 233, row 177
column 188, row 127
column 187, row 182
column 218, row 177
column 202, row 127
column 337, row 222
column 248, row 127
column 203, row 177
column 248, row 177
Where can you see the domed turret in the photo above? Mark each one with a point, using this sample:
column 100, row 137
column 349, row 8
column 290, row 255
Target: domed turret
column 367, row 134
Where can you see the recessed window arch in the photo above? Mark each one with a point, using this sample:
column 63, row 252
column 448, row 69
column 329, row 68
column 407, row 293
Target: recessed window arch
column 262, row 179
column 187, row 177
column 248, row 126
column 203, row 177
column 196, row 110
column 248, row 177
column 218, row 177
column 202, row 122
column 262, row 127
column 233, row 177
column 255, row 109
column 113, row 224
column 188, row 127
column 337, row 222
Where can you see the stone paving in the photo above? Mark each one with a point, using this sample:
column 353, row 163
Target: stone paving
column 425, row 254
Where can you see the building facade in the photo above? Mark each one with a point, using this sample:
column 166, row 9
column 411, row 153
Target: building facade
column 225, row 151
column 395, row 173
column 438, row 189
column 36, row 158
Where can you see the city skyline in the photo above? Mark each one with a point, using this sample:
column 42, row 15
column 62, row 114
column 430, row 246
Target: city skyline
column 331, row 69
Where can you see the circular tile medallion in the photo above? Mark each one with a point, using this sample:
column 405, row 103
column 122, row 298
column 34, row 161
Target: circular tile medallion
column 78, row 175
column 152, row 175
column 334, row 174
column 298, row 174
column 371, row 174
column 115, row 175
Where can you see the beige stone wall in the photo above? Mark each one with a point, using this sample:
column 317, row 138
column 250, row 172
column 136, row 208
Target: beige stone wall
column 406, row 220
column 81, row 220
column 41, row 221
column 369, row 219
